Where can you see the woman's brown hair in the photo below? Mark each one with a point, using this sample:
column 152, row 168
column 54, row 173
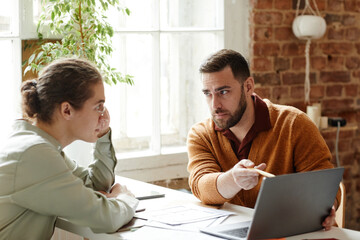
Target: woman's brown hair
column 65, row 80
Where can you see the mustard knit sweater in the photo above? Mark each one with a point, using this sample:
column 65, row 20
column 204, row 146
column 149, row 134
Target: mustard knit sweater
column 293, row 144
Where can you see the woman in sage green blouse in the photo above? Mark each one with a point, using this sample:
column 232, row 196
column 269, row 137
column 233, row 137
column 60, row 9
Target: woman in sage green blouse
column 38, row 182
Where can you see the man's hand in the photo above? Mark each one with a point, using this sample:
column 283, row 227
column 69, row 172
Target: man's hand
column 329, row 220
column 238, row 178
column 246, row 178
column 116, row 190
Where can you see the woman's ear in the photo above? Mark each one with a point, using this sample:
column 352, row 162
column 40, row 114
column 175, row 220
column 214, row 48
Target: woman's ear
column 66, row 110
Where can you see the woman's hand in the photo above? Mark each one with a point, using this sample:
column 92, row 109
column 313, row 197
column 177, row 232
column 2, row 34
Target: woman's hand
column 116, row 190
column 104, row 123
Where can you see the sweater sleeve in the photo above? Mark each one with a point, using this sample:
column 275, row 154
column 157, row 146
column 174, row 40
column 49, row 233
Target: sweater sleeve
column 47, row 186
column 99, row 175
column 203, row 167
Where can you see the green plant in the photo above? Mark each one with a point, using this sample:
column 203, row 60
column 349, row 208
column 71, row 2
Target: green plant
column 84, row 32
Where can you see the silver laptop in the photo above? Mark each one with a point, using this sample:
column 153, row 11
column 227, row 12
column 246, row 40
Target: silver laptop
column 287, row 205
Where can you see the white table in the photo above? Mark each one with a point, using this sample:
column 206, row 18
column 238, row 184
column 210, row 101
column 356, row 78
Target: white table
column 175, row 198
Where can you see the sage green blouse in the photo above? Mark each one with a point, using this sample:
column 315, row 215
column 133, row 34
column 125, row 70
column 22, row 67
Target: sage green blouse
column 38, row 183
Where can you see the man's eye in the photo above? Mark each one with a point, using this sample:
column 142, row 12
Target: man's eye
column 223, row 92
column 206, row 93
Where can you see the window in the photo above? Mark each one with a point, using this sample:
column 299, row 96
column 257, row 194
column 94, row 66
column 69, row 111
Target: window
column 161, row 44
column 9, row 66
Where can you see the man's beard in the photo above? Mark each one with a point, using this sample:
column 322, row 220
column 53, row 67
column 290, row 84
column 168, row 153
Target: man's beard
column 234, row 118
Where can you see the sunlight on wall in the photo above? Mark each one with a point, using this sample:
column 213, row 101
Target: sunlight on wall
column 9, row 94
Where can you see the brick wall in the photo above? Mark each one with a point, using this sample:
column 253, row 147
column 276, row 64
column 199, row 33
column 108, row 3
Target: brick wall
column 277, row 61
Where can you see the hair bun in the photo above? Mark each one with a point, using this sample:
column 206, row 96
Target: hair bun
column 31, row 103
column 33, row 83
column 29, row 85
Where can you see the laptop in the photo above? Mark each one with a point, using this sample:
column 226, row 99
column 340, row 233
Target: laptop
column 287, row 205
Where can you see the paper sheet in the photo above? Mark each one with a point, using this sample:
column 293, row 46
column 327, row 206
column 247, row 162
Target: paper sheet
column 182, row 214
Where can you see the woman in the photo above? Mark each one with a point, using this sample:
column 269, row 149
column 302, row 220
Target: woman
column 38, row 183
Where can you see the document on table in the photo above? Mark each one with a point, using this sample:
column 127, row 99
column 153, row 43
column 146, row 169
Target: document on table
column 182, row 214
column 190, row 227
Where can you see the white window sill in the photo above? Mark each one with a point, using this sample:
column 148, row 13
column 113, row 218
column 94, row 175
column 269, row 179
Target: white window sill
column 147, row 166
column 143, row 166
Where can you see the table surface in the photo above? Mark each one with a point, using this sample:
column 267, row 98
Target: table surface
column 176, row 198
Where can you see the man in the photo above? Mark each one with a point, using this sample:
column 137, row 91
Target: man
column 247, row 132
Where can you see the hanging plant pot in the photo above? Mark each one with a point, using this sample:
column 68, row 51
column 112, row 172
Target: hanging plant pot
column 309, row 26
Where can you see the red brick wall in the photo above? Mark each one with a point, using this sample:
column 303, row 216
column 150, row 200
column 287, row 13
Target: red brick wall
column 277, row 60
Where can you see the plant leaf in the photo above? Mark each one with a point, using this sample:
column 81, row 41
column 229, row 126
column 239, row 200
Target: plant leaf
column 86, row 33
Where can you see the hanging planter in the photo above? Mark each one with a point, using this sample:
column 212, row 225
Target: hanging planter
column 307, row 26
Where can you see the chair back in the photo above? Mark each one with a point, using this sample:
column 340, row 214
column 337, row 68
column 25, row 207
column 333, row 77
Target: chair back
column 340, row 212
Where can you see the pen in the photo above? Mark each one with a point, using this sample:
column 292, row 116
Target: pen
column 140, row 210
column 266, row 174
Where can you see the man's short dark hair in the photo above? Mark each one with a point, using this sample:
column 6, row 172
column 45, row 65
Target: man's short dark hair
column 227, row 57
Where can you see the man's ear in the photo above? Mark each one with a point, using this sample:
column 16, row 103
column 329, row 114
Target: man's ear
column 249, row 85
column 66, row 110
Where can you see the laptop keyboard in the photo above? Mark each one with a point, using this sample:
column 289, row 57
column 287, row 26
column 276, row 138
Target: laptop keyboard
column 239, row 232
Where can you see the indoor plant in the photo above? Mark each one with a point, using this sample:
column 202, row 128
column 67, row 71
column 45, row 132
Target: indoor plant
column 81, row 30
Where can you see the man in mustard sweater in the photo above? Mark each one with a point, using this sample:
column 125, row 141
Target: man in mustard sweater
column 245, row 132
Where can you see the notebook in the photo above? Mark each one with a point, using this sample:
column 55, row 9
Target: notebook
column 287, row 205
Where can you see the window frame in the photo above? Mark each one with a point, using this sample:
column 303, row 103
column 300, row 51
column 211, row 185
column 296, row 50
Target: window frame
column 162, row 166
column 15, row 37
